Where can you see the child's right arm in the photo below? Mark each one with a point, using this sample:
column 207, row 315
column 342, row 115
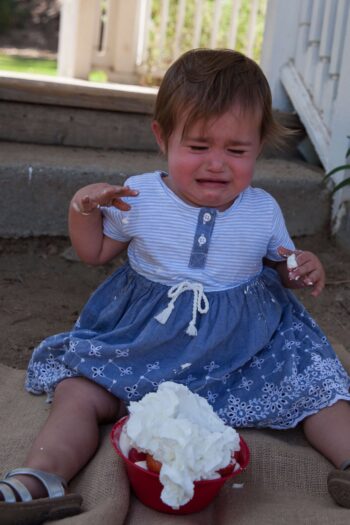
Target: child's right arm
column 86, row 224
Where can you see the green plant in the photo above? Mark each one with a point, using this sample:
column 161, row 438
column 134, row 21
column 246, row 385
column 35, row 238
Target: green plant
column 160, row 57
column 7, row 9
column 343, row 167
column 41, row 66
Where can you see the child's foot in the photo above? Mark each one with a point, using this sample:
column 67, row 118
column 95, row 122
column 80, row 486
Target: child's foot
column 34, row 486
column 39, row 498
column 339, row 486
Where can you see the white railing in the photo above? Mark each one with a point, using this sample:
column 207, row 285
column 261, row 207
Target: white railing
column 185, row 24
column 306, row 55
column 136, row 40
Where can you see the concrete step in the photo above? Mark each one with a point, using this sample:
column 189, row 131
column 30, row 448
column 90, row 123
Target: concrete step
column 38, row 181
column 77, row 113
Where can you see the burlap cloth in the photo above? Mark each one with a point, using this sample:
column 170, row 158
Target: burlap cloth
column 285, row 482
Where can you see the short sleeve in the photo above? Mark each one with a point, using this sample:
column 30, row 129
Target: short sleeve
column 113, row 226
column 279, row 235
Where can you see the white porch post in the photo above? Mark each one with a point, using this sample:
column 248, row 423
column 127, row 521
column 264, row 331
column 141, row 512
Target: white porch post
column 279, row 44
column 339, row 143
column 126, row 27
column 76, row 37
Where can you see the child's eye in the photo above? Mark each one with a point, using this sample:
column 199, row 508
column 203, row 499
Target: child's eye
column 198, row 148
column 237, row 151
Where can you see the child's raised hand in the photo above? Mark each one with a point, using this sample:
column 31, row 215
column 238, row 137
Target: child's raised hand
column 308, row 270
column 90, row 197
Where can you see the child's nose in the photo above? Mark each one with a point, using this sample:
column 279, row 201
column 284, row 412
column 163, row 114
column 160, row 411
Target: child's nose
column 216, row 162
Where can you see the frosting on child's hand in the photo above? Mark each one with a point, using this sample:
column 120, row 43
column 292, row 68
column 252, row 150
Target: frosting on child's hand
column 292, row 262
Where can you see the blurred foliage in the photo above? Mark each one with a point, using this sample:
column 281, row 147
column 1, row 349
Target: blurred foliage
column 98, row 76
column 22, row 64
column 18, row 14
column 160, row 56
column 340, row 168
column 13, row 13
column 40, row 66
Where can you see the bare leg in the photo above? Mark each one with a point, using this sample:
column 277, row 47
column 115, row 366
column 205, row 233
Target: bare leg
column 329, row 432
column 69, row 437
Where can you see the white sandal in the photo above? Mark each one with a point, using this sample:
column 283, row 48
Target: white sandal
column 19, row 508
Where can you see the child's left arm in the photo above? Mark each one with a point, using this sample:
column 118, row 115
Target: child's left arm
column 308, row 272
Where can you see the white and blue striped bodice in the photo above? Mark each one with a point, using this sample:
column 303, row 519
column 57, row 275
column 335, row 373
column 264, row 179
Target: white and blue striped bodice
column 172, row 241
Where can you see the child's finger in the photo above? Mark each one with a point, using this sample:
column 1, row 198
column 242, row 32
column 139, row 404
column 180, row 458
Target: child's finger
column 318, row 287
column 316, row 280
column 87, row 204
column 112, row 195
column 303, row 269
column 123, row 191
column 121, row 205
column 129, row 191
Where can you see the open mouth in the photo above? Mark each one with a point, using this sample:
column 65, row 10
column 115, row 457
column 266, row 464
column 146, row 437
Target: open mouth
column 211, row 182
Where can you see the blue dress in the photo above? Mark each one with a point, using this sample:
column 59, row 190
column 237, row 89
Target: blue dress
column 251, row 349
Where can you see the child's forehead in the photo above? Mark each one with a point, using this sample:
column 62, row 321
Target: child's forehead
column 202, row 123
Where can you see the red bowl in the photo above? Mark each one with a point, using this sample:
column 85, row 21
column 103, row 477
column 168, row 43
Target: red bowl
column 148, row 488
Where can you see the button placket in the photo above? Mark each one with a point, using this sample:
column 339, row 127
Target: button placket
column 201, row 241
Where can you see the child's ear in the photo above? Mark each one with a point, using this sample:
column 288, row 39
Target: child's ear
column 157, row 132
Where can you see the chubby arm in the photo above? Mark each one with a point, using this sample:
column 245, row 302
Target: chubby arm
column 308, row 271
column 86, row 224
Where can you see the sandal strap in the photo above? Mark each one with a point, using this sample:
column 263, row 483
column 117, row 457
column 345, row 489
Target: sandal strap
column 53, row 483
column 345, row 465
column 18, row 487
column 7, row 493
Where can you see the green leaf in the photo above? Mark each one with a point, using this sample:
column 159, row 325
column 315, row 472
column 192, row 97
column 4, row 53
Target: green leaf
column 345, row 182
column 335, row 170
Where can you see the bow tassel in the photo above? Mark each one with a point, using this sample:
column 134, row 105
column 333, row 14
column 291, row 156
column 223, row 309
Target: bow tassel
column 200, row 304
column 191, row 329
column 164, row 315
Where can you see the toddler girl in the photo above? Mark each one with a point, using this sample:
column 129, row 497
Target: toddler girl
column 203, row 299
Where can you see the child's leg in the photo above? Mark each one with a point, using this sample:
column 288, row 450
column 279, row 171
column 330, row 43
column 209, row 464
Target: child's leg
column 329, row 432
column 69, row 437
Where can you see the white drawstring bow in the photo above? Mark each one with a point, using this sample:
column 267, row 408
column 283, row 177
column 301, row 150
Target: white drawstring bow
column 200, row 303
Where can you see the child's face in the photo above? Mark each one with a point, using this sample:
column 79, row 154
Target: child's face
column 214, row 161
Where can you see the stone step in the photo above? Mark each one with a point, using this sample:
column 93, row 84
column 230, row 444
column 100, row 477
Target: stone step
column 70, row 112
column 37, row 183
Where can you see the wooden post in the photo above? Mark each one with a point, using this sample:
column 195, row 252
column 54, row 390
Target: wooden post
column 281, row 27
column 127, row 22
column 78, row 26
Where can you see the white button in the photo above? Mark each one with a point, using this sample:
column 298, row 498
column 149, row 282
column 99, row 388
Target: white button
column 202, row 240
column 206, row 217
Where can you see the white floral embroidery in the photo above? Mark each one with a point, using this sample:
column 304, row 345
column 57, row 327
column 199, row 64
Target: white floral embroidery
column 212, row 366
column 153, row 366
column 245, row 383
column 97, row 372
column 72, row 345
column 125, row 371
column 95, row 350
column 122, row 353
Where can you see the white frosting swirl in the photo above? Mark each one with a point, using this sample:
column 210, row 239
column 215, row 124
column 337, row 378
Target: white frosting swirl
column 181, row 430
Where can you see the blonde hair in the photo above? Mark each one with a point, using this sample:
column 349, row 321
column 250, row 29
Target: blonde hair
column 205, row 83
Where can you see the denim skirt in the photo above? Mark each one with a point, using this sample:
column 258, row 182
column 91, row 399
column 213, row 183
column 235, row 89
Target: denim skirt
column 257, row 357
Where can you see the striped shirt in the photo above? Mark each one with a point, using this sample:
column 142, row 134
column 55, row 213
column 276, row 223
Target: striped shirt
column 164, row 233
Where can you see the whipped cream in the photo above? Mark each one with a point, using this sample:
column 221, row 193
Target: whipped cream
column 292, row 262
column 181, row 430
